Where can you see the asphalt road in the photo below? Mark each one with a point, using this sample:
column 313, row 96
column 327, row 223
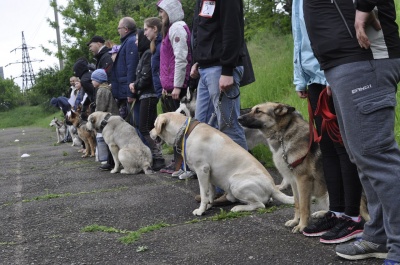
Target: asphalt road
column 51, row 199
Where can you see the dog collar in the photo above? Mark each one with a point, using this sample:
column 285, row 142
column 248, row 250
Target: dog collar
column 105, row 121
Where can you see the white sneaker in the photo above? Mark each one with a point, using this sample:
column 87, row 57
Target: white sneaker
column 187, row 174
column 177, row 173
column 104, row 162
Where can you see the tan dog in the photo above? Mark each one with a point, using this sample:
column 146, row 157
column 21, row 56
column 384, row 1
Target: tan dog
column 125, row 145
column 288, row 138
column 85, row 134
column 219, row 161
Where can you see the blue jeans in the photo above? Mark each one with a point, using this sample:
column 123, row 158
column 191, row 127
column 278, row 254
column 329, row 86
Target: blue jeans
column 228, row 111
column 364, row 95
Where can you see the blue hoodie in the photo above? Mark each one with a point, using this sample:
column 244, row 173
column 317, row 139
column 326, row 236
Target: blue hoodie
column 306, row 67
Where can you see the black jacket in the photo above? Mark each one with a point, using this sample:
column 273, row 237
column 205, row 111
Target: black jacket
column 144, row 80
column 219, row 39
column 104, row 61
column 334, row 43
column 81, row 70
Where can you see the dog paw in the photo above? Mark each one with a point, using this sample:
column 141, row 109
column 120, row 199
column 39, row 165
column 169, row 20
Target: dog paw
column 114, row 171
column 292, row 223
column 298, row 229
column 198, row 212
column 318, row 214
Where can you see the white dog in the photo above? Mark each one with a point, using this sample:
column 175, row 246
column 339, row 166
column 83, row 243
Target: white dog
column 219, row 161
column 124, row 143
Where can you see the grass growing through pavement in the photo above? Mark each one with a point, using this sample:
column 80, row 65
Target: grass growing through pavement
column 133, row 236
column 50, row 196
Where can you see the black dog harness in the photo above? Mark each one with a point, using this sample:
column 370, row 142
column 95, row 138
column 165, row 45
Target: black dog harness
column 104, row 121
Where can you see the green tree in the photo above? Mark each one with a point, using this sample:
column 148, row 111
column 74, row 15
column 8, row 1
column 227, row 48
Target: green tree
column 10, row 94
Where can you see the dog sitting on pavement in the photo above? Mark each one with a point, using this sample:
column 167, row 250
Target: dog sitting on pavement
column 219, row 161
column 86, row 135
column 125, row 145
column 299, row 163
column 60, row 129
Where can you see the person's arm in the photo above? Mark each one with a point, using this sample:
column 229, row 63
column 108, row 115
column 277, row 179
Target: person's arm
column 178, row 37
column 231, row 19
column 132, row 60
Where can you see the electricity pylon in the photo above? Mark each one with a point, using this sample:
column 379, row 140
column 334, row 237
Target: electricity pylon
column 27, row 71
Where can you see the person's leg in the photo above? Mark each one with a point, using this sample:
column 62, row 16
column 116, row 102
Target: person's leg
column 204, row 106
column 364, row 94
column 330, row 159
column 148, row 114
column 228, row 110
column 332, row 174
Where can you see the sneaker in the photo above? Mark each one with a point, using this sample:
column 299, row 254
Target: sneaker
column 158, row 164
column 345, row 230
column 187, row 175
column 168, row 169
column 361, row 249
column 322, row 225
column 106, row 167
column 176, row 174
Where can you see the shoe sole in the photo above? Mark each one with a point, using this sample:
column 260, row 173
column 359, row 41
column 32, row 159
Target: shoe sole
column 377, row 255
column 355, row 234
column 315, row 234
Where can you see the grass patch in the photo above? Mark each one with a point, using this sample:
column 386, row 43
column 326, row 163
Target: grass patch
column 50, row 196
column 131, row 236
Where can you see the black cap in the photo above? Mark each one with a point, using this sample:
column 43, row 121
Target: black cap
column 96, row 39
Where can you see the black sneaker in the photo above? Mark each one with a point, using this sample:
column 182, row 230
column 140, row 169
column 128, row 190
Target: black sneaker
column 322, row 225
column 158, row 163
column 106, row 167
column 345, row 230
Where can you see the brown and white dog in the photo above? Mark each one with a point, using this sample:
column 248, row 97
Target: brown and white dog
column 125, row 145
column 86, row 135
column 288, row 138
column 219, row 161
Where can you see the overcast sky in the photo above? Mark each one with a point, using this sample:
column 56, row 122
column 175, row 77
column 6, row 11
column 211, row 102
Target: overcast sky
column 29, row 16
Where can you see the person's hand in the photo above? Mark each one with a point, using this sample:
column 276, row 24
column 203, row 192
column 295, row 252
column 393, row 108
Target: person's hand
column 194, row 71
column 362, row 20
column 302, row 94
column 132, row 87
column 175, row 93
column 328, row 91
column 225, row 82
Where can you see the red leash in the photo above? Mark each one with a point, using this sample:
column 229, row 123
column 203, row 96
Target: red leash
column 329, row 120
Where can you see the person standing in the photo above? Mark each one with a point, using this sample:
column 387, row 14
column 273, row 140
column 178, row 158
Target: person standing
column 175, row 63
column 124, row 68
column 82, row 71
column 218, row 52
column 144, row 89
column 152, row 30
column 342, row 223
column 101, row 54
column 358, row 47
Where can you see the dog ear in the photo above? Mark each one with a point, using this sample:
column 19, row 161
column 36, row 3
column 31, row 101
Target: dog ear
column 283, row 109
column 159, row 123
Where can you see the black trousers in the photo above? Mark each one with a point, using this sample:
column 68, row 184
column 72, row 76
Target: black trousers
column 341, row 176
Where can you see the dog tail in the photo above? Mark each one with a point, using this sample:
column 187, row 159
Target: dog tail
column 282, row 197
